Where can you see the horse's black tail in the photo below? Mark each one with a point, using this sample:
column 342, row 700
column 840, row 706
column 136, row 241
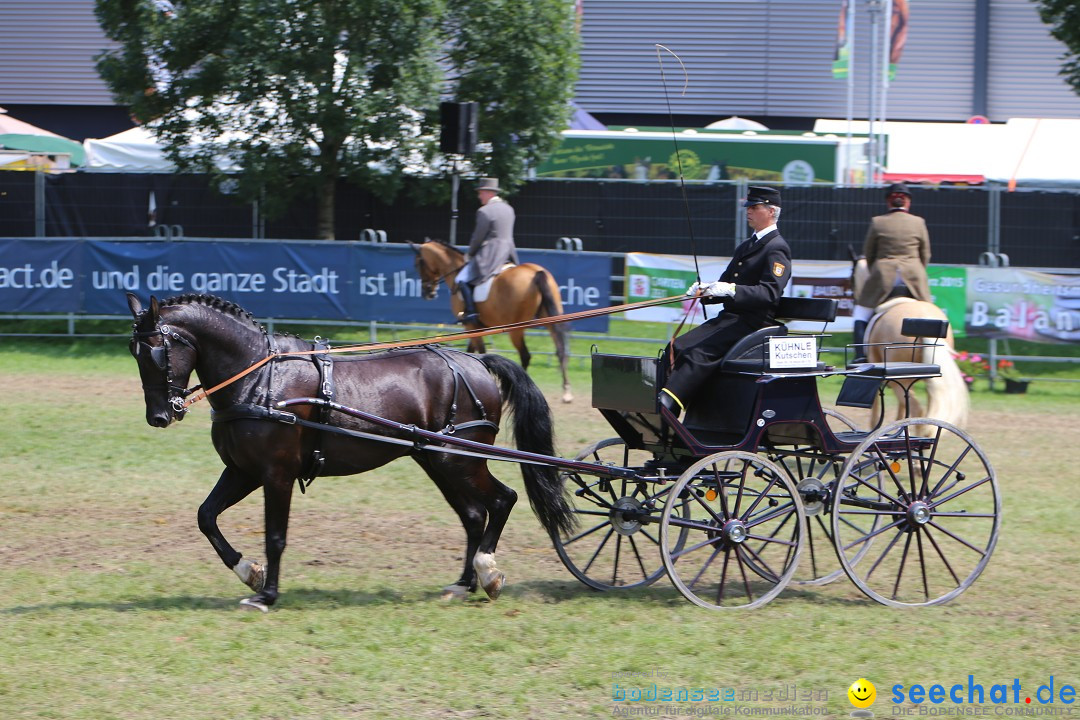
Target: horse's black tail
column 534, row 431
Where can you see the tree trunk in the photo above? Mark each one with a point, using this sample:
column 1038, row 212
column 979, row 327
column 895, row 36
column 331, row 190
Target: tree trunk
column 325, row 218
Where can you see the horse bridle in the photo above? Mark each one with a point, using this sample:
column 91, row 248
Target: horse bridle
column 425, row 267
column 159, row 355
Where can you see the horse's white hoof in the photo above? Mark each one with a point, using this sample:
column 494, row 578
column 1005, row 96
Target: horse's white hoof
column 568, row 397
column 252, row 604
column 494, row 586
column 251, row 574
column 454, row 592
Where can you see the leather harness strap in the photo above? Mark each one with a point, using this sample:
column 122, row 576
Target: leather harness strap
column 459, row 377
column 325, row 365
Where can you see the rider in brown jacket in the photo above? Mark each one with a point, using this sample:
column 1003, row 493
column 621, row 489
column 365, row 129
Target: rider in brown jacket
column 897, row 251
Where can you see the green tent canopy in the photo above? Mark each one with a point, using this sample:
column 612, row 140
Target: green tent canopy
column 48, row 144
column 18, row 135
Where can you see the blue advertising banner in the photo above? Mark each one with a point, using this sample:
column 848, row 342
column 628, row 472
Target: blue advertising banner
column 38, row 276
column 318, row 280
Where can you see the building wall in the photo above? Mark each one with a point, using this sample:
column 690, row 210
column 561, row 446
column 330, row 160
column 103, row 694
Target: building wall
column 744, row 57
column 774, row 58
column 47, row 50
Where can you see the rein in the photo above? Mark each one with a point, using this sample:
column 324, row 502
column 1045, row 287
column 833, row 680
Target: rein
column 432, row 339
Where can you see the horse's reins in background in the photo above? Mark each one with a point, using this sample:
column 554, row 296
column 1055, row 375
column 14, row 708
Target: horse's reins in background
column 463, row 335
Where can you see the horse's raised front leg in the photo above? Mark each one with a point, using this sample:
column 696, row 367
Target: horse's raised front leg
column 232, row 487
column 277, row 494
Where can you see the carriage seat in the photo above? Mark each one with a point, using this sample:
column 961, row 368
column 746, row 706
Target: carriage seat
column 917, row 328
column 750, row 354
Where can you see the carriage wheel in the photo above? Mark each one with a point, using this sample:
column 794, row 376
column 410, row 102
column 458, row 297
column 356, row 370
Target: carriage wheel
column 838, row 421
column 938, row 509
column 616, row 541
column 815, row 477
column 739, row 543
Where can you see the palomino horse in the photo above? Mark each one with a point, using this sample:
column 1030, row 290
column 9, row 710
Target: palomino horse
column 947, row 396
column 518, row 294
column 428, row 388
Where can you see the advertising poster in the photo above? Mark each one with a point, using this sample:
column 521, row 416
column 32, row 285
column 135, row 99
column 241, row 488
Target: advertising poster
column 708, row 156
column 1023, row 304
column 297, row 280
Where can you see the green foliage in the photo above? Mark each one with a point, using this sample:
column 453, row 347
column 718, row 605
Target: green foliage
column 1063, row 17
column 293, row 94
column 518, row 59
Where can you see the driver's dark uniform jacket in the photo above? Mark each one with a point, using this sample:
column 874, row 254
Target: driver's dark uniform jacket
column 760, row 269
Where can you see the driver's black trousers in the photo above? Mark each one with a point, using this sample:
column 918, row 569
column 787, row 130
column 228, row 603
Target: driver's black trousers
column 698, row 353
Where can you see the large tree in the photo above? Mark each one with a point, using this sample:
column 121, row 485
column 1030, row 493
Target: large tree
column 1063, row 17
column 288, row 96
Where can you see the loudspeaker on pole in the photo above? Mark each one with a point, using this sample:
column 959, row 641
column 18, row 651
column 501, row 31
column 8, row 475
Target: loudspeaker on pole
column 458, row 133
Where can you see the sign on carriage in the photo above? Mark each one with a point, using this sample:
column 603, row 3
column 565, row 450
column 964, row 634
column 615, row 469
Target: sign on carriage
column 798, row 351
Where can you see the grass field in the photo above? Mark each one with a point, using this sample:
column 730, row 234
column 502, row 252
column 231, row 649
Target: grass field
column 113, row 605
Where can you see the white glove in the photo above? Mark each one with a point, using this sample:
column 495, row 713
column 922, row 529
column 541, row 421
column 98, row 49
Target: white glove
column 719, row 289
column 693, row 290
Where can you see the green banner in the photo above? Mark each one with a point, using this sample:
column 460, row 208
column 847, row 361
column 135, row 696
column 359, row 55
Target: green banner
column 709, row 156
column 948, row 288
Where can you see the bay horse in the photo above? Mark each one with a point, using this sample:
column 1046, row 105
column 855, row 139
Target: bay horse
column 519, row 293
column 430, row 388
column 948, row 398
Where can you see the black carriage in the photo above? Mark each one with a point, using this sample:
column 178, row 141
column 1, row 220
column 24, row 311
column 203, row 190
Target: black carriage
column 754, row 489
column 759, row 486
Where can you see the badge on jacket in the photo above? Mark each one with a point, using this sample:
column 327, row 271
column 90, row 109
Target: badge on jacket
column 778, row 269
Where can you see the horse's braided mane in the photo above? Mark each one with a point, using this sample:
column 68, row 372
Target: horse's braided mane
column 226, row 306
column 216, row 303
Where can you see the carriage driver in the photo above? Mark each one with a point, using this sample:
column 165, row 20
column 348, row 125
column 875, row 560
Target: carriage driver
column 491, row 245
column 750, row 289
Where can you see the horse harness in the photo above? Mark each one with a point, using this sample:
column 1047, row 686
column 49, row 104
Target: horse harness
column 159, row 355
column 324, row 363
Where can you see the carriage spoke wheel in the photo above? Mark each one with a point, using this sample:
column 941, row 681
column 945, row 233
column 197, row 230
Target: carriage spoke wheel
column 616, row 541
column 741, row 534
column 816, row 477
column 936, row 499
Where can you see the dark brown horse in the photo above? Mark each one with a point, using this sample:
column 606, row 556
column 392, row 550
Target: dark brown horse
column 436, row 390
column 520, row 293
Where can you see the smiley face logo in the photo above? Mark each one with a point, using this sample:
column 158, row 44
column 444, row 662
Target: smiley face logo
column 862, row 693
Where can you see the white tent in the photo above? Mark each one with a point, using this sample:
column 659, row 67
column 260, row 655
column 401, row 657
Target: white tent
column 133, row 150
column 735, row 123
column 1036, row 152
